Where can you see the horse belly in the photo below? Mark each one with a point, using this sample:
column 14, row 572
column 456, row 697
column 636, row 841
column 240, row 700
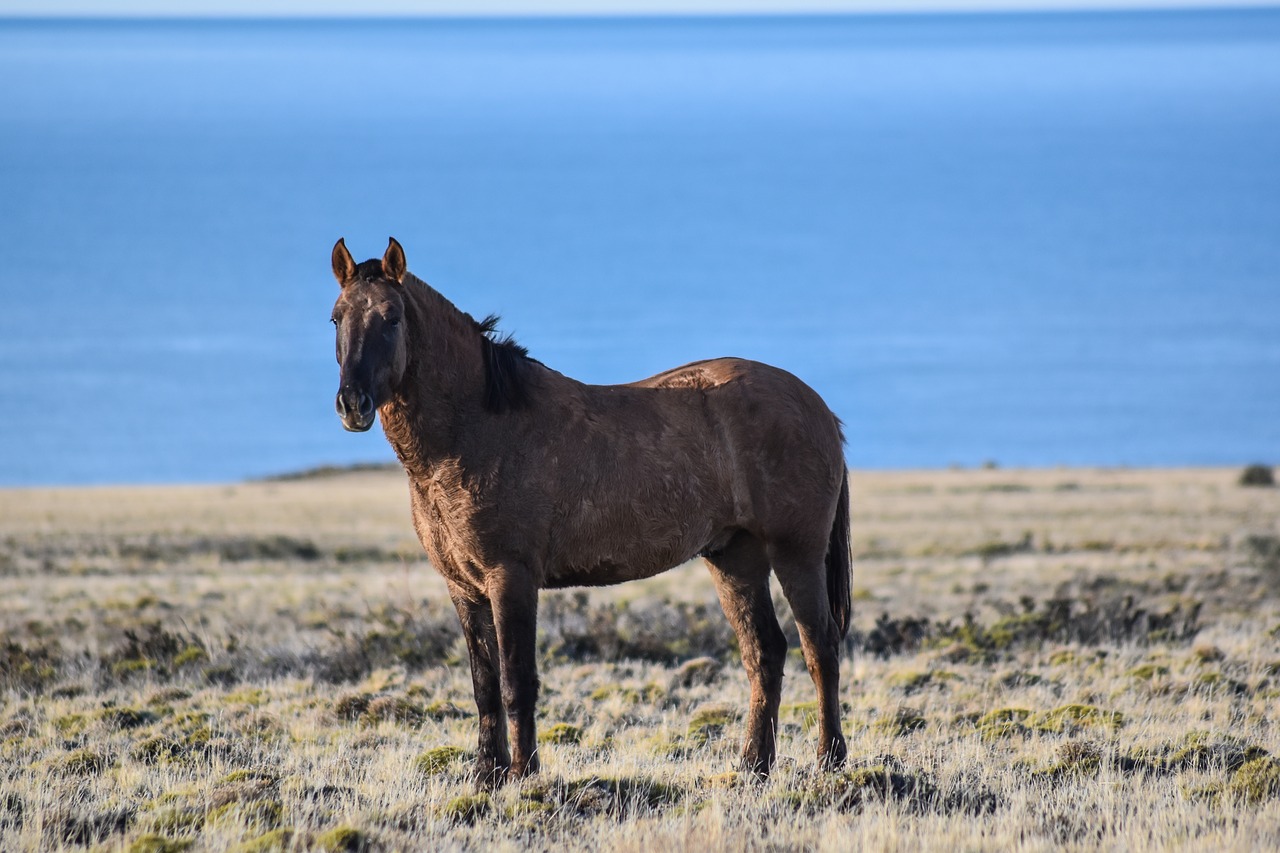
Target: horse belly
column 604, row 560
column 603, row 573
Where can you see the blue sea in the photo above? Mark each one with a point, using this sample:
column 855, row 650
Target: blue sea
column 1036, row 239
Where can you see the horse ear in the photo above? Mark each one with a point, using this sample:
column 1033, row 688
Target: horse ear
column 393, row 265
column 344, row 266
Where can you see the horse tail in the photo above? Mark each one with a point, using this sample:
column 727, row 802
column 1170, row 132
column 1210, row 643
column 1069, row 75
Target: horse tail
column 840, row 562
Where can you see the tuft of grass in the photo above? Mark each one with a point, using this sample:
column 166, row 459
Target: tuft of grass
column 120, row 719
column 394, row 709
column 699, row 671
column 1074, row 759
column 443, row 709
column 83, row 762
column 903, row 721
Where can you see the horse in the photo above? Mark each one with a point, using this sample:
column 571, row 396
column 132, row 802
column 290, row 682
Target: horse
column 523, row 479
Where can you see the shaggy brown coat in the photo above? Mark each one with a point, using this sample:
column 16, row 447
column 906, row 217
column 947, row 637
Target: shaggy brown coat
column 523, row 479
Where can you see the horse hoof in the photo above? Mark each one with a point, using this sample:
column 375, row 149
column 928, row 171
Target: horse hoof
column 833, row 758
column 491, row 777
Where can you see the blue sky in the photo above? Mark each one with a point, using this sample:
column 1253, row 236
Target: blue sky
column 537, row 7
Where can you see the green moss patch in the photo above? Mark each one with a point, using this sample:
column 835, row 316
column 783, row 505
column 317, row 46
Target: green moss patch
column 1075, row 717
column 81, row 762
column 342, row 839
column 274, row 841
column 1255, row 781
column 153, row 843
column 1202, row 750
column 562, row 733
column 709, row 723
column 437, row 759
column 258, row 815
column 467, row 808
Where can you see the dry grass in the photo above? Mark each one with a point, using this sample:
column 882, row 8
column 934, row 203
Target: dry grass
column 1042, row 660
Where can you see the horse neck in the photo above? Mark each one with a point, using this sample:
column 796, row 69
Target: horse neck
column 443, row 383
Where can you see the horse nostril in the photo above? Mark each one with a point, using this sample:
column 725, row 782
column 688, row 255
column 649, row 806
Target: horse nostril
column 366, row 405
column 340, row 405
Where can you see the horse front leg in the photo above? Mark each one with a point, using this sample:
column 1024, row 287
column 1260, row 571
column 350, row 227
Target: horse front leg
column 515, row 612
column 494, row 759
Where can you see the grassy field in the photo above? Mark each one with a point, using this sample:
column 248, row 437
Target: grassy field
column 1058, row 659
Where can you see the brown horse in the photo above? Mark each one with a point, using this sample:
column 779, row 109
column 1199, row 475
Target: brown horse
column 523, row 479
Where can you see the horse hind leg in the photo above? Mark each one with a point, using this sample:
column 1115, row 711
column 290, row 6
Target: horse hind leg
column 804, row 583
column 741, row 575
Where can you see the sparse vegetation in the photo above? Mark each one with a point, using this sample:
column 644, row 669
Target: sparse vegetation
column 1039, row 660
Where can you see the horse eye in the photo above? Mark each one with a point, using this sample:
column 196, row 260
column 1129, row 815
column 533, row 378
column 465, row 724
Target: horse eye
column 333, row 320
column 393, row 321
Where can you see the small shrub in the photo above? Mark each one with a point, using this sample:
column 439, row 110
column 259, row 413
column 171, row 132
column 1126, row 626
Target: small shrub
column 1257, row 475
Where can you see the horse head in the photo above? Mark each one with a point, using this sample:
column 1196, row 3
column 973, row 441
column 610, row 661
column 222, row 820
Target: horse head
column 371, row 346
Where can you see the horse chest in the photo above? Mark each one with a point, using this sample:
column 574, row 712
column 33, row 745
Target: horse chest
column 448, row 525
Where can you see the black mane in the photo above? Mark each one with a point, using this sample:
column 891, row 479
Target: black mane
column 506, row 368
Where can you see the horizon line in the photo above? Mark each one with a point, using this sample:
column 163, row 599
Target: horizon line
column 874, row 9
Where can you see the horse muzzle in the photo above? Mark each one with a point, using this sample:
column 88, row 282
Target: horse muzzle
column 355, row 409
